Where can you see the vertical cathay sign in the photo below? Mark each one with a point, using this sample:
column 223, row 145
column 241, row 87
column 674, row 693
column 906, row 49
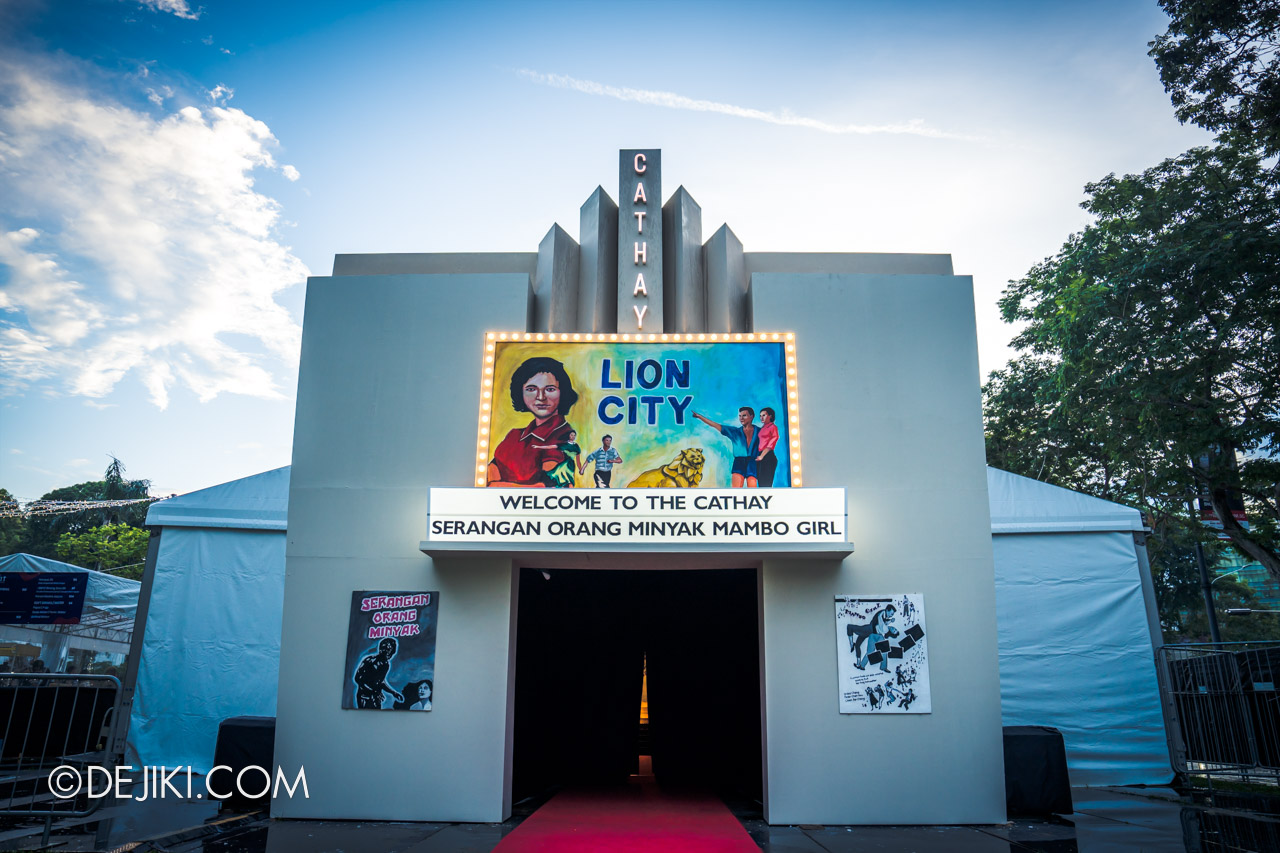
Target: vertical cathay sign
column 640, row 240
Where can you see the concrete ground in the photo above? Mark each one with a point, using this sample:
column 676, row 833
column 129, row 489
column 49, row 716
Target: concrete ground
column 1105, row 819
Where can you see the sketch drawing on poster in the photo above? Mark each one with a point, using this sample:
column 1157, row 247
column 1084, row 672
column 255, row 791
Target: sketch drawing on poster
column 882, row 654
column 391, row 651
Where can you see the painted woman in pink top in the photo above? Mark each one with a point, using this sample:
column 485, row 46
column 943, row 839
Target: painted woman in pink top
column 767, row 462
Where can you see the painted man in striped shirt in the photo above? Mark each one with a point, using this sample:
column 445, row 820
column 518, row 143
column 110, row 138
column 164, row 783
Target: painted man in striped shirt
column 605, row 458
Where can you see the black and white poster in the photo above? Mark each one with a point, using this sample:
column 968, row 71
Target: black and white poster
column 391, row 651
column 882, row 654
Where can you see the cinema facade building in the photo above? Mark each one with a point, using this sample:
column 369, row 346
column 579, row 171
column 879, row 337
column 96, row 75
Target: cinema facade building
column 527, row 487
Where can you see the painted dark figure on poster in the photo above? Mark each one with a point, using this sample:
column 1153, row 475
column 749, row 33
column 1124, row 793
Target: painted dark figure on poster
column 391, row 644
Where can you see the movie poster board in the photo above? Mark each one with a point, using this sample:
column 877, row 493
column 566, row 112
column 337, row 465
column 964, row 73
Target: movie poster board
column 547, row 407
column 882, row 654
column 391, row 651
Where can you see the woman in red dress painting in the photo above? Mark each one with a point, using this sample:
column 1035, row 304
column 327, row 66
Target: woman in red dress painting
column 541, row 387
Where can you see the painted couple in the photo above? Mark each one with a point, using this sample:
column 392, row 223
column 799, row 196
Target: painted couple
column 754, row 460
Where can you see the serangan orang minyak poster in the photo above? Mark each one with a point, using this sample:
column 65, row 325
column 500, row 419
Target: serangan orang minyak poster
column 391, row 651
column 630, row 414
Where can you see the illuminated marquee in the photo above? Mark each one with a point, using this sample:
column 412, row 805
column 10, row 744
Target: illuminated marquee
column 623, row 410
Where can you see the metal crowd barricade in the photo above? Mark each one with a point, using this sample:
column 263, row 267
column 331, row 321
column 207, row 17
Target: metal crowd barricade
column 1222, row 709
column 47, row 721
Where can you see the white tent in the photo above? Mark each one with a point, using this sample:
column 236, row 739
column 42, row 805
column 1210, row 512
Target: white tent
column 211, row 648
column 106, row 622
column 1076, row 616
column 1073, row 595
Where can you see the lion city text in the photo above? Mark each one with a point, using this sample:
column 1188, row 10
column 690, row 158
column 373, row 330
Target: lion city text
column 648, row 374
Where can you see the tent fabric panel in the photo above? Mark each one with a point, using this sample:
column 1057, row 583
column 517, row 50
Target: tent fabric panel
column 259, row 502
column 1075, row 653
column 212, row 642
column 1022, row 505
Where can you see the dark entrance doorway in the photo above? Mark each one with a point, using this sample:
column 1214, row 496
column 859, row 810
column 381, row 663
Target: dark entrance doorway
column 582, row 641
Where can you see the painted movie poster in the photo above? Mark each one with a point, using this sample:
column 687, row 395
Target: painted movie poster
column 391, row 651
column 882, row 654
column 619, row 414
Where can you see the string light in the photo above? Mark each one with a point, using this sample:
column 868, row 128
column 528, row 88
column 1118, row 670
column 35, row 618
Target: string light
column 15, row 509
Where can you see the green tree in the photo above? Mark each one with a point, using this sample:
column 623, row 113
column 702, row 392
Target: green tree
column 1150, row 340
column 1175, row 575
column 42, row 532
column 1220, row 63
column 106, row 547
column 10, row 527
column 1033, row 430
column 1229, row 593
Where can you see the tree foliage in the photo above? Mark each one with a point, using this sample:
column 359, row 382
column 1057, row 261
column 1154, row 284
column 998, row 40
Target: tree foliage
column 1220, row 63
column 106, row 547
column 1228, row 593
column 1175, row 575
column 39, row 535
column 1179, row 598
column 1149, row 341
column 10, row 528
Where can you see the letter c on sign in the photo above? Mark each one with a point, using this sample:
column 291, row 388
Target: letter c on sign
column 640, row 166
column 606, row 417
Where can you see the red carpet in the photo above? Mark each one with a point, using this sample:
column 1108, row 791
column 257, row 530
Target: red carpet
column 637, row 817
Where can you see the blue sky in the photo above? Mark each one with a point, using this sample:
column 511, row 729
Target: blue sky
column 171, row 173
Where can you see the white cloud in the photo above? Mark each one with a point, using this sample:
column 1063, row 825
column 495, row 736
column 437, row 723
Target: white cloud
column 159, row 96
column 52, row 300
column 173, row 7
column 133, row 244
column 671, row 100
column 290, row 172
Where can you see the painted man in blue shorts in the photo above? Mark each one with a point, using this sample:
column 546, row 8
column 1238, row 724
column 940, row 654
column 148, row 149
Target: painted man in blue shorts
column 746, row 445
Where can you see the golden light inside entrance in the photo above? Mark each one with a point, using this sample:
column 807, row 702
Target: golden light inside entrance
column 644, row 692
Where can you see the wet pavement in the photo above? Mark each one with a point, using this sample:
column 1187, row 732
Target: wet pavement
column 1105, row 819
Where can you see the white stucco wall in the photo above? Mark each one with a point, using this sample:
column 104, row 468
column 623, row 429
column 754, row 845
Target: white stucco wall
column 890, row 409
column 388, row 395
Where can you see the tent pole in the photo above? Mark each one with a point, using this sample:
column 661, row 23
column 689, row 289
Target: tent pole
column 1148, row 589
column 124, row 709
